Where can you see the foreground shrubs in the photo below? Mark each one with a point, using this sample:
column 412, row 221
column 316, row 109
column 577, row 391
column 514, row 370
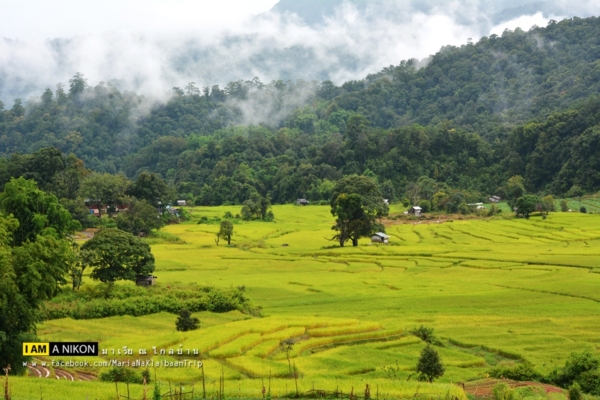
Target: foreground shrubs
column 581, row 371
column 522, row 372
column 580, row 368
column 125, row 375
column 430, row 365
column 185, row 322
column 427, row 334
column 503, row 392
column 104, row 301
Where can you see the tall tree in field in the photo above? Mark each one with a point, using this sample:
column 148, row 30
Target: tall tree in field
column 357, row 202
column 226, row 230
column 526, row 204
column 118, row 255
column 257, row 207
column 430, row 365
column 352, row 221
column 185, row 322
column 368, row 190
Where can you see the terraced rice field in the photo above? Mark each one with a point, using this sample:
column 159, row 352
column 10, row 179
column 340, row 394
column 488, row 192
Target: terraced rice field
column 498, row 291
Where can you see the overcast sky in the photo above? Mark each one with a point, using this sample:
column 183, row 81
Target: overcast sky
column 31, row 20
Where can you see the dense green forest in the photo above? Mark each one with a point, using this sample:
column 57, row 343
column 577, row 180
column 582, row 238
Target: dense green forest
column 518, row 104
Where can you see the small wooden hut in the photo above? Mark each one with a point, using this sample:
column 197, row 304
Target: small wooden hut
column 145, row 280
column 380, row 237
column 416, row 210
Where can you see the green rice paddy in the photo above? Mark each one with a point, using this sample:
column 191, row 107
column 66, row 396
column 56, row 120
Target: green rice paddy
column 497, row 291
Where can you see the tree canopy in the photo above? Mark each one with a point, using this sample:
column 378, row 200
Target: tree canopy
column 36, row 255
column 226, row 230
column 37, row 212
column 150, row 187
column 430, row 365
column 356, row 202
column 118, row 255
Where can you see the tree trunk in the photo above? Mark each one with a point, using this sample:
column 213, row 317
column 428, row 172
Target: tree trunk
column 355, row 242
column 228, row 240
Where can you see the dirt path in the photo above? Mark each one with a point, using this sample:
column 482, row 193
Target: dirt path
column 39, row 371
column 43, row 372
column 63, row 374
column 483, row 388
column 84, row 376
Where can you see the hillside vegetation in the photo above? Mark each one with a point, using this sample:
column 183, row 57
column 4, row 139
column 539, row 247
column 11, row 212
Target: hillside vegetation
column 474, row 116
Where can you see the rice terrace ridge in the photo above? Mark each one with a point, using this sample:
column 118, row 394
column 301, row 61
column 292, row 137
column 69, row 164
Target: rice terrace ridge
column 498, row 293
column 300, row 199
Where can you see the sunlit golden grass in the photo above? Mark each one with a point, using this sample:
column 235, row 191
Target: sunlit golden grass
column 495, row 290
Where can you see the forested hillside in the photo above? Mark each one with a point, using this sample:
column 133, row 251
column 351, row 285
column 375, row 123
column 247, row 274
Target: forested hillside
column 520, row 104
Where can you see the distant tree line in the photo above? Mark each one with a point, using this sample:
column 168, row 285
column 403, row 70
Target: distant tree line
column 474, row 116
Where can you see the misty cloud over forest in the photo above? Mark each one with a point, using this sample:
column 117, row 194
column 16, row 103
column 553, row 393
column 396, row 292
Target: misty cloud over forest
column 342, row 41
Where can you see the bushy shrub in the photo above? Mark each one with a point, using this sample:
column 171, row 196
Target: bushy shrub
column 548, row 203
column 184, row 214
column 218, row 302
column 564, row 207
column 501, row 391
column 161, row 236
column 206, row 220
column 270, row 216
column 427, row 335
column 583, row 210
column 521, row 372
column 575, row 366
column 185, row 322
column 493, row 210
column 527, row 393
column 425, row 205
column 464, row 209
column 138, row 301
column 106, row 222
column 430, row 365
column 589, row 382
column 125, row 375
column 156, row 394
column 575, row 392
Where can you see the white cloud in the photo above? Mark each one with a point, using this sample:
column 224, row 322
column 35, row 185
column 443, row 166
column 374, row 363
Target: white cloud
column 524, row 22
column 152, row 45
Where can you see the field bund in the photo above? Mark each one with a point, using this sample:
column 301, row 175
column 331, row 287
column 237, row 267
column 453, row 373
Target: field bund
column 497, row 292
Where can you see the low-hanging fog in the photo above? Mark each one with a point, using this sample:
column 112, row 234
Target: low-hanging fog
column 340, row 41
